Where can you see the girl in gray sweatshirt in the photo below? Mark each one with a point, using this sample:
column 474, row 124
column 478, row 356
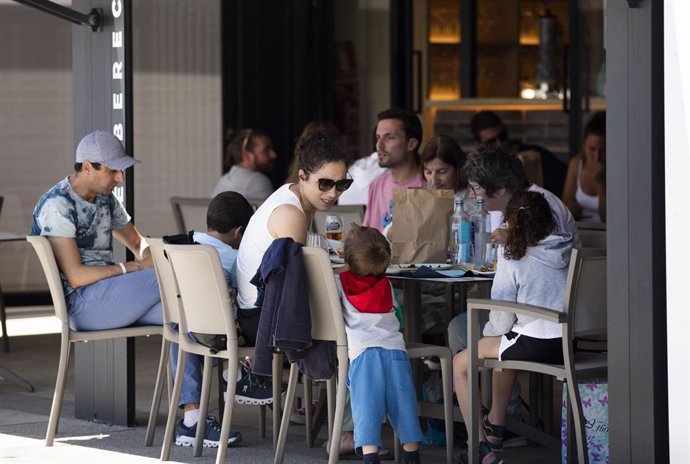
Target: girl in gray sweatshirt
column 531, row 269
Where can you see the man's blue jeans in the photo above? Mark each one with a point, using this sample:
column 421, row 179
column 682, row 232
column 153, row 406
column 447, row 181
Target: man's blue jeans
column 126, row 300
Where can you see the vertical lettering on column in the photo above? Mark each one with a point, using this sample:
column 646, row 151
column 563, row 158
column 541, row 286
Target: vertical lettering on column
column 117, row 79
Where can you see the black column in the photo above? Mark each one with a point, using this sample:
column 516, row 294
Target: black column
column 401, row 54
column 102, row 88
column 468, row 49
column 278, row 69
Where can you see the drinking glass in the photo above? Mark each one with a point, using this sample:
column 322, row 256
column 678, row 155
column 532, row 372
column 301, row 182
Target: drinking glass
column 492, row 256
column 317, row 241
column 334, row 227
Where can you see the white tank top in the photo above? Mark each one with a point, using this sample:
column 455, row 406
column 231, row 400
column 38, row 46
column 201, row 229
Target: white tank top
column 255, row 242
column 589, row 203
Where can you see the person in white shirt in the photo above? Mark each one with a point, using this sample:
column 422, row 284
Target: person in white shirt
column 363, row 171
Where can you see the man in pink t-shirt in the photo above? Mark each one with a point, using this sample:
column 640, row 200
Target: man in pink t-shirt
column 398, row 137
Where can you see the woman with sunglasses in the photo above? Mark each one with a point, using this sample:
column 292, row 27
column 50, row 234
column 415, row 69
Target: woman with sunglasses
column 288, row 212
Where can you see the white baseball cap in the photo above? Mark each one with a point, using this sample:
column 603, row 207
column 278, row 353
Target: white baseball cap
column 104, row 148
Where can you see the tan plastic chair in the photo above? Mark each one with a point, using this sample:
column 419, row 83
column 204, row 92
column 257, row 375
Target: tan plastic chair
column 204, row 308
column 349, row 213
column 190, row 213
column 584, row 314
column 68, row 336
column 171, row 315
column 326, row 324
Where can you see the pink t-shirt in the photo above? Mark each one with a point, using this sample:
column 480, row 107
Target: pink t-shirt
column 380, row 204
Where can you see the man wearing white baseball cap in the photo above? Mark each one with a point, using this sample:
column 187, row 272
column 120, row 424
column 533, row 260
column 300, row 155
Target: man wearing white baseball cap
column 80, row 216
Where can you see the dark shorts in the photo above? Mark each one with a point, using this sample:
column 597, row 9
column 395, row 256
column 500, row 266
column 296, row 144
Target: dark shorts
column 517, row 347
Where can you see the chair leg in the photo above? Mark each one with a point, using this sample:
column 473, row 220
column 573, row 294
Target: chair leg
column 320, row 413
column 227, row 414
column 172, row 409
column 221, row 397
column 308, row 419
column 3, row 322
column 343, row 365
column 277, row 371
column 285, row 422
column 447, row 385
column 203, row 408
column 397, row 455
column 262, row 420
column 157, row 392
column 56, row 407
column 330, row 401
column 578, row 421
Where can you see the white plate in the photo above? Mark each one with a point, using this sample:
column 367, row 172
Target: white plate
column 335, row 244
column 485, row 273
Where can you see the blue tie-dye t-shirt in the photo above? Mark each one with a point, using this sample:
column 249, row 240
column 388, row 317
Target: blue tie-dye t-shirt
column 62, row 213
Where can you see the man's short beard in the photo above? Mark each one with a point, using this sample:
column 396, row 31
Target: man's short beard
column 264, row 168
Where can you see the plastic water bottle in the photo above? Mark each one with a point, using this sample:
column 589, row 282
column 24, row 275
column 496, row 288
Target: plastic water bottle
column 480, row 231
column 460, row 235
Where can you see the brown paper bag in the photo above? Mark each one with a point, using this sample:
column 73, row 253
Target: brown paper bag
column 419, row 233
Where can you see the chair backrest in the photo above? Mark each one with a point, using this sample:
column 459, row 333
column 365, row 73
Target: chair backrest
column 590, row 225
column 349, row 213
column 50, row 269
column 591, row 238
column 166, row 281
column 190, row 213
column 205, row 305
column 531, row 161
column 326, row 313
column 585, row 301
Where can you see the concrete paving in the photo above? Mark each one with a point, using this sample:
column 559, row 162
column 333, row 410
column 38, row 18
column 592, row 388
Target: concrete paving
column 24, row 419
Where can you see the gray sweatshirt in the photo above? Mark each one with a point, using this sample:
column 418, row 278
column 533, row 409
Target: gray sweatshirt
column 536, row 279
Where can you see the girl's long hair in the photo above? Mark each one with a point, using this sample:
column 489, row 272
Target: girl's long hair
column 530, row 219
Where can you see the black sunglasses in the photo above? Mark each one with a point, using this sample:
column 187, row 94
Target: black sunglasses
column 340, row 185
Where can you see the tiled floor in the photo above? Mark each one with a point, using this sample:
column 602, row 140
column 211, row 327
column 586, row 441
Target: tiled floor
column 24, row 416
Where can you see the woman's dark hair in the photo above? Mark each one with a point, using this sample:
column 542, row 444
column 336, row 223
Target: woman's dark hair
column 530, row 219
column 316, row 149
column 596, row 125
column 494, row 168
column 228, row 210
column 318, row 125
column 448, row 151
column 367, row 251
